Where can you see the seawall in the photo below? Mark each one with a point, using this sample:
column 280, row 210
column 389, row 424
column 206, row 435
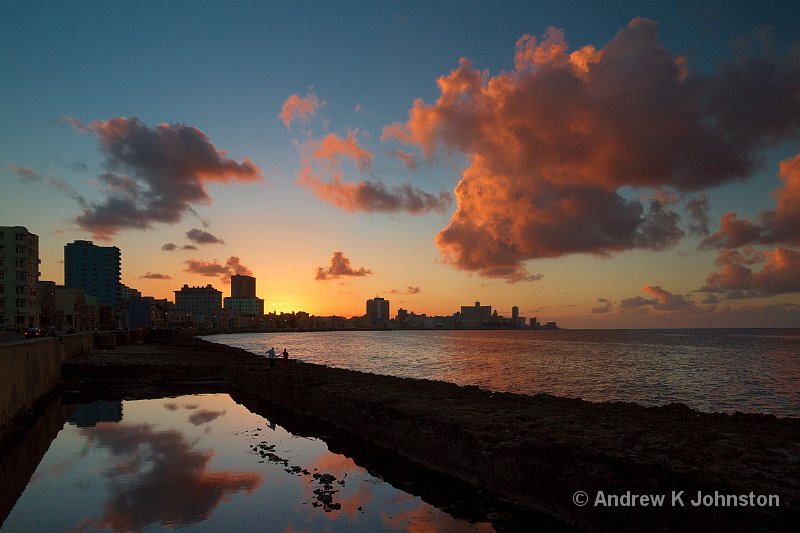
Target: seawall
column 31, row 369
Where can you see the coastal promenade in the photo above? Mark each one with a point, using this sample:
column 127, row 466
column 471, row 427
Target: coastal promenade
column 540, row 452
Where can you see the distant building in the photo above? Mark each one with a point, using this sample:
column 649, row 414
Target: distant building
column 517, row 321
column 245, row 306
column 49, row 316
column 243, row 287
column 75, row 308
column 19, row 277
column 96, row 270
column 475, row 316
column 377, row 311
column 204, row 304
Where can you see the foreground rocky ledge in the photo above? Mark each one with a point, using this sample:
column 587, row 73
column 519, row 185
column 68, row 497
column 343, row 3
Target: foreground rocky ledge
column 535, row 450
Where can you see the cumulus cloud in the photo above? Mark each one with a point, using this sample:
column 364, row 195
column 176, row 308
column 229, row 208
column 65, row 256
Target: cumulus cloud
column 779, row 275
column 203, row 237
column 778, row 226
column 188, row 247
column 406, row 158
column 606, row 306
column 408, row 290
column 555, row 144
column 169, row 247
column 155, row 174
column 299, row 108
column 636, row 302
column 213, row 268
column 321, row 172
column 661, row 300
column 340, row 267
column 152, row 275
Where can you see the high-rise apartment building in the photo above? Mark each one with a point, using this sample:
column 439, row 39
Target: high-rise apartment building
column 377, row 311
column 19, row 277
column 96, row 270
column 243, row 286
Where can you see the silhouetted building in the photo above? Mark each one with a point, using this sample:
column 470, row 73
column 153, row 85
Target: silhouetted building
column 475, row 316
column 96, row 270
column 76, row 308
column 203, row 303
column 377, row 311
column 243, row 287
column 19, row 277
column 48, row 316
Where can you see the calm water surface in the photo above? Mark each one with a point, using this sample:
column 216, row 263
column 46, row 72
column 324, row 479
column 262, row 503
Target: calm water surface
column 208, row 464
column 726, row 370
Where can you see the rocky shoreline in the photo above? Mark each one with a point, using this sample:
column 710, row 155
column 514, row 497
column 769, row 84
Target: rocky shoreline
column 537, row 452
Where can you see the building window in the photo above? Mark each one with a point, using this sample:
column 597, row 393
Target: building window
column 20, row 249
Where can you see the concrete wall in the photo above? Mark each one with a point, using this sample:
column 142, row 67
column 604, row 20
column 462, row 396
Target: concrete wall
column 31, row 369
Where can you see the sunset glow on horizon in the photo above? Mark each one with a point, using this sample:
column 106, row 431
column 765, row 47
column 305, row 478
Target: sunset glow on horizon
column 603, row 167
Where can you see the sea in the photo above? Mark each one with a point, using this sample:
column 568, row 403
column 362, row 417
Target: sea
column 711, row 370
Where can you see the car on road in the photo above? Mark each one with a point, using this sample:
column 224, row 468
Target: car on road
column 33, row 333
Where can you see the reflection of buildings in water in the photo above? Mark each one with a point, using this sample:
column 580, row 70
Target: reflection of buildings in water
column 87, row 415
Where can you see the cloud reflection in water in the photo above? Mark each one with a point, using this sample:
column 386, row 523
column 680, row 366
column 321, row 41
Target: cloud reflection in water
column 159, row 477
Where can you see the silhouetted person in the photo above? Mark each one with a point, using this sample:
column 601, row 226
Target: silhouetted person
column 285, row 355
column 271, row 356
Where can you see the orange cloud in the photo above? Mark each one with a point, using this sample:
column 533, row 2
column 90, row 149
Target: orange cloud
column 662, row 300
column 213, row 268
column 154, row 275
column 299, row 108
column 340, row 266
column 780, row 274
column 781, row 225
column 321, row 171
column 406, row 158
column 552, row 143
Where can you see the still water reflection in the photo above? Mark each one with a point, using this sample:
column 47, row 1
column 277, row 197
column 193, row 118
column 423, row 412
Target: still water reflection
column 206, row 463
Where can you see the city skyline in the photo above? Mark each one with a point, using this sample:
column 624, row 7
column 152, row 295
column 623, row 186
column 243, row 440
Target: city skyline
column 627, row 166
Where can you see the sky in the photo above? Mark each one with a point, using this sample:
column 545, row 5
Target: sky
column 603, row 165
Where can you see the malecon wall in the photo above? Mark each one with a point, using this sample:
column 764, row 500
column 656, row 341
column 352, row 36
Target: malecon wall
column 31, row 369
